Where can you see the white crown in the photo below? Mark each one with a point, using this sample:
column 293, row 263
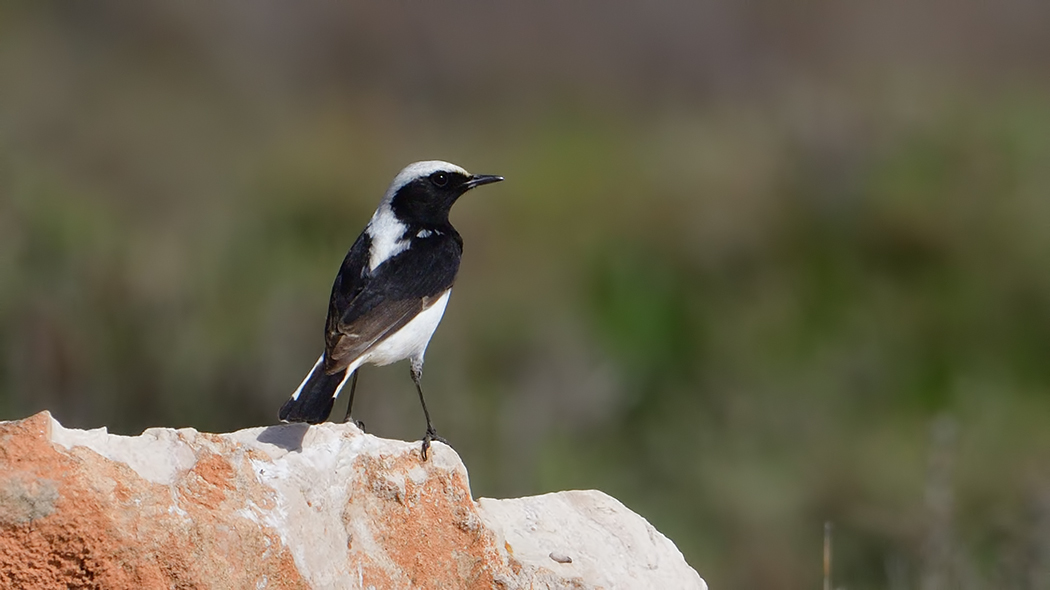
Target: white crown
column 419, row 170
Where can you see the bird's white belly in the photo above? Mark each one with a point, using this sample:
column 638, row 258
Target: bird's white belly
column 410, row 342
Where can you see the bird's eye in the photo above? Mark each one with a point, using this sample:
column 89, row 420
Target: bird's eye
column 440, row 179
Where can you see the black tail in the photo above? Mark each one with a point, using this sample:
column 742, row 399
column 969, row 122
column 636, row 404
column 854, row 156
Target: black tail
column 313, row 401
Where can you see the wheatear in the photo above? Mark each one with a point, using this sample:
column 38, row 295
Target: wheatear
column 391, row 290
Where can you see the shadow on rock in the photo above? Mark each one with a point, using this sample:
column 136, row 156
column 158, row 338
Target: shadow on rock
column 287, row 436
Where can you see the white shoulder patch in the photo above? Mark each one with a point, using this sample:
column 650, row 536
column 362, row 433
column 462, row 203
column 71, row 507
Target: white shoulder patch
column 387, row 236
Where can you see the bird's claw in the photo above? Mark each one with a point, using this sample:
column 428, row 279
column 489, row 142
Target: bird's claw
column 431, row 435
column 358, row 423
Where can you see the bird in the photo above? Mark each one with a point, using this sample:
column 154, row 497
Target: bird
column 391, row 289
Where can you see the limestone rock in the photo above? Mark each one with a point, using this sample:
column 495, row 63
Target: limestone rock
column 293, row 506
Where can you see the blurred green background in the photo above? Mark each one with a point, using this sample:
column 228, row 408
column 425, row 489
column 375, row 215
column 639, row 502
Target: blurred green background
column 756, row 266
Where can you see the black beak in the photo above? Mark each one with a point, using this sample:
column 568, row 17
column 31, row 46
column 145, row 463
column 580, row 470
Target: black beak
column 480, row 179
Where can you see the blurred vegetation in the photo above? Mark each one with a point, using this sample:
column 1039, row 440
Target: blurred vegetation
column 754, row 268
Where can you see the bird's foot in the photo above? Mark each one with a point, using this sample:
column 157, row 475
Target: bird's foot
column 359, row 424
column 431, row 435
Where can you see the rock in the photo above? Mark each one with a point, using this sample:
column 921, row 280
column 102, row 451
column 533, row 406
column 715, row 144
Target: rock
column 292, row 506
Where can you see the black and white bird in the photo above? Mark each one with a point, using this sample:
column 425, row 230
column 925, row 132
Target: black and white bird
column 391, row 290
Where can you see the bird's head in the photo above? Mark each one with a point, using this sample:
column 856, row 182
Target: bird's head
column 424, row 192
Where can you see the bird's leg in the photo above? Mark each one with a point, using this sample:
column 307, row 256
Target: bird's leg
column 350, row 403
column 431, row 434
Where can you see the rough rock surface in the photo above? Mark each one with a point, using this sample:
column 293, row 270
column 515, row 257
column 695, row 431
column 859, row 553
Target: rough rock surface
column 295, row 507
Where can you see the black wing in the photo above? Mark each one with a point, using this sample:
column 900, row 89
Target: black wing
column 367, row 306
